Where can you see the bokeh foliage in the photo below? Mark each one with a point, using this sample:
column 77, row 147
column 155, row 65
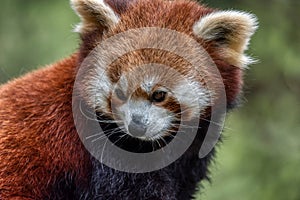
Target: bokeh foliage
column 260, row 156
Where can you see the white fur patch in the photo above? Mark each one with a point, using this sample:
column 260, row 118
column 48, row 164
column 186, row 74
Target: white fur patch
column 98, row 88
column 157, row 119
column 93, row 13
column 192, row 96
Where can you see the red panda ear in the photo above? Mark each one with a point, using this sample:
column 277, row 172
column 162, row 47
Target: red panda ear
column 94, row 13
column 230, row 31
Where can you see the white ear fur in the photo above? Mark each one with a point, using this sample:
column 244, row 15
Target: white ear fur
column 231, row 31
column 92, row 14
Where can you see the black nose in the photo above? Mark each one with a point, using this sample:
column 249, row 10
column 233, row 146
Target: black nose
column 137, row 119
column 137, row 129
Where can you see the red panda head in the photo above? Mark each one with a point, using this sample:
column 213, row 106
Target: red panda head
column 147, row 91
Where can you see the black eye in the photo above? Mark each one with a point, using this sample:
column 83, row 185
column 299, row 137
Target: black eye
column 120, row 94
column 158, row 96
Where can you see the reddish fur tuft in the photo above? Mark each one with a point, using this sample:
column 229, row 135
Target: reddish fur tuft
column 38, row 140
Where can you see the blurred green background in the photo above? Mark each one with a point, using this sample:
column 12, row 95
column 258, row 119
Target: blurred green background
column 260, row 156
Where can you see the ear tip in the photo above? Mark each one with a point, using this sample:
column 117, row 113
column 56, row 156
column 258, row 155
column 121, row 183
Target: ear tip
column 94, row 13
column 247, row 21
column 74, row 2
column 236, row 14
column 246, row 17
column 78, row 3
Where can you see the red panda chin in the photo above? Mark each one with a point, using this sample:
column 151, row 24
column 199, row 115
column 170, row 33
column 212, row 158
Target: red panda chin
column 126, row 141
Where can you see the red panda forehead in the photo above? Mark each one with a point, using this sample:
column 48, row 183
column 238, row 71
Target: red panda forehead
column 140, row 93
column 176, row 15
column 132, row 61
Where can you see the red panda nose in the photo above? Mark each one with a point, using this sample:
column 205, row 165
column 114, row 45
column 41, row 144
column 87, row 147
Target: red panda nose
column 136, row 128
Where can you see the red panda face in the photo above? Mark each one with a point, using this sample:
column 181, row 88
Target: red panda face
column 148, row 103
column 146, row 99
column 147, row 91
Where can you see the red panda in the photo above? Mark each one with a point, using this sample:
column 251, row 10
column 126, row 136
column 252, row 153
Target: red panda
column 138, row 103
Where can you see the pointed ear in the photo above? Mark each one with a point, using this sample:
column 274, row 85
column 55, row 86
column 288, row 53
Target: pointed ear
column 230, row 31
column 94, row 14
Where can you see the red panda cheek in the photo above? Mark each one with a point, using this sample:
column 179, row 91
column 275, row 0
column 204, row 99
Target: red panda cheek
column 186, row 113
column 172, row 105
column 114, row 104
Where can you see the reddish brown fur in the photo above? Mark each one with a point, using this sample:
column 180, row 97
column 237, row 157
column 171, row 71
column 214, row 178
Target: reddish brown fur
column 179, row 15
column 139, row 93
column 172, row 105
column 119, row 6
column 146, row 56
column 38, row 139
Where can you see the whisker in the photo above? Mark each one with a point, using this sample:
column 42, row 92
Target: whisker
column 116, row 130
column 109, row 121
column 164, row 141
column 102, row 153
column 100, row 138
column 152, row 144
column 91, row 136
column 156, row 141
column 211, row 121
column 100, row 114
column 176, row 125
column 216, row 123
column 176, row 132
column 83, row 113
column 119, row 131
column 121, row 137
column 94, row 114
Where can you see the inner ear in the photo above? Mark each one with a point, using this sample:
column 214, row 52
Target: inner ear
column 221, row 35
column 93, row 14
column 230, row 31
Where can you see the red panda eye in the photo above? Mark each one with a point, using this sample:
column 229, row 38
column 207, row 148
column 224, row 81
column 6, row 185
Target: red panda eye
column 120, row 95
column 158, row 96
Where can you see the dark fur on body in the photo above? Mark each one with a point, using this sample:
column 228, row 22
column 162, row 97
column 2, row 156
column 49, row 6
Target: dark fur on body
column 178, row 181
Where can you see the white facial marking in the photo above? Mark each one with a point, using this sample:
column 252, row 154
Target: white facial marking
column 98, row 91
column 147, row 86
column 160, row 122
column 98, row 86
column 156, row 119
column 192, row 95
